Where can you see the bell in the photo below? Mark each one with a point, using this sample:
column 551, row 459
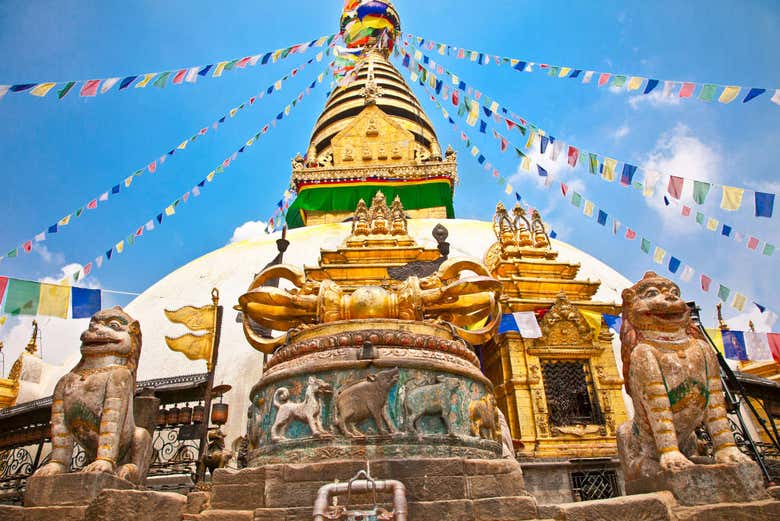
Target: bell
column 219, row 413
column 172, row 417
column 185, row 414
column 198, row 413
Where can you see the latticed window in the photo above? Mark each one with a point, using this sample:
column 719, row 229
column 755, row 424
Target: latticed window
column 568, row 387
column 594, row 484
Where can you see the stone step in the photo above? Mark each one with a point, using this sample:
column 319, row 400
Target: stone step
column 641, row 507
column 221, row 515
column 754, row 511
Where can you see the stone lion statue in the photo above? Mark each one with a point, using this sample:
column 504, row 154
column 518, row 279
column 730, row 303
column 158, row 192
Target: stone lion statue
column 672, row 375
column 93, row 403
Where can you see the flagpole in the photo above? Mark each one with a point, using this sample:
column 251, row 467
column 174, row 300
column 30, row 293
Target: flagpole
column 212, row 363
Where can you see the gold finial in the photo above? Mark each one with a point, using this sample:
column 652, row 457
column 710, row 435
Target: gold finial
column 32, row 345
column 752, row 326
column 721, row 323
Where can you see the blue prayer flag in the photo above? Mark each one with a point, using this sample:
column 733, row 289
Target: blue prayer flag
column 22, row 87
column 520, row 66
column 462, row 85
column 53, row 228
column 553, row 234
column 266, row 57
column 426, row 59
column 734, row 345
column 613, row 321
column 626, row 178
column 602, row 218
column 508, row 323
column 760, row 307
column 517, row 196
column 108, row 253
column 542, row 171
column 487, row 111
column 205, row 70
column 270, row 90
column 482, row 126
column 764, row 204
column 202, row 183
column 651, row 84
column 439, row 85
column 674, row 264
column 405, row 63
column 753, row 93
column 481, row 159
column 115, row 189
column 575, row 73
column 726, row 230
column 159, row 218
column 126, row 82
column 85, row 302
column 543, row 141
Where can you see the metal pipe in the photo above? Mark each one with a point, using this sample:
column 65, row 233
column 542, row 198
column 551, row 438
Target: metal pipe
column 363, row 485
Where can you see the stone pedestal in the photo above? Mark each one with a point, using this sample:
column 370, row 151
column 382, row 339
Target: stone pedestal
column 706, row 484
column 75, row 489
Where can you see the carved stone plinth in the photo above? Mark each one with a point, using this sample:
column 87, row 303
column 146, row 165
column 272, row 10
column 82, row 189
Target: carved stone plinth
column 706, row 484
column 75, row 489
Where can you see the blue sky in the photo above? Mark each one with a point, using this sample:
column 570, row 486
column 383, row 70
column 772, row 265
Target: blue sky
column 56, row 155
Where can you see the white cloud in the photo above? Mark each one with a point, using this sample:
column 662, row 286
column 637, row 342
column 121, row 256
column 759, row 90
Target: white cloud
column 654, row 99
column 67, row 272
column 48, row 256
column 621, row 132
column 678, row 152
column 250, row 230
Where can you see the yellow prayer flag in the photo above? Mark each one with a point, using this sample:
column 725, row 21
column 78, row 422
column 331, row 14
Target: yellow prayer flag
column 218, row 70
column 513, row 61
column 609, row 169
column 474, row 151
column 564, row 72
column 471, row 119
column 593, row 318
column 658, row 255
column 232, row 112
column 128, row 181
column 287, row 110
column 413, row 76
column 732, row 198
column 526, row 164
column 54, row 300
column 120, row 246
column 250, row 142
column 455, row 79
column 739, row 302
column 146, row 79
column 319, row 57
column 192, row 346
column 417, row 55
column 474, row 56
column 170, row 211
column 3, row 319
column 712, row 224
column 195, row 319
column 182, row 145
column 635, row 82
column 432, row 80
column 717, row 338
column 42, row 89
column 494, row 106
column 210, row 177
column 729, row 94
column 531, row 139
column 277, row 53
column 588, row 208
column 64, row 221
column 508, row 189
column 278, row 85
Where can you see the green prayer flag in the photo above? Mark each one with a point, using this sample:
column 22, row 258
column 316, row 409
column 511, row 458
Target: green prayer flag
column 462, row 109
column 79, row 212
column 618, row 81
column 769, row 249
column 700, row 218
column 219, row 169
column 519, row 152
column 230, row 65
column 138, row 172
column 22, row 297
column 130, row 239
column 594, row 163
column 162, row 79
column 553, row 71
column 576, row 199
column 723, row 292
column 708, row 94
column 64, row 90
column 700, row 191
column 13, row 253
column 285, row 53
column 645, row 245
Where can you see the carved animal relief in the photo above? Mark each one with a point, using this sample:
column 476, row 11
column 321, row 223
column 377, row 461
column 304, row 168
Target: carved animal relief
column 307, row 410
column 431, row 400
column 363, row 400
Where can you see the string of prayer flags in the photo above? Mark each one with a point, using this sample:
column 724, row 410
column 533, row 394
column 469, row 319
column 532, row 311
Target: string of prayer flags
column 170, row 210
column 153, row 166
column 26, row 297
column 524, row 322
column 596, row 163
column 707, row 92
column 181, row 75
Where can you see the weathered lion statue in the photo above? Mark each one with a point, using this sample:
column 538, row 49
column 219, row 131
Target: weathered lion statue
column 672, row 375
column 93, row 403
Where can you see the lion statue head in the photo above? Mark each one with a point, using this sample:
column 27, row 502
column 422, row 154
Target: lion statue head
column 652, row 304
column 113, row 332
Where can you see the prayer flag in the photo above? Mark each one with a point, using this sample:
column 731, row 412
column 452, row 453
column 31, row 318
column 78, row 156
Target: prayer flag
column 615, row 226
column 192, row 75
column 523, row 322
column 651, row 179
column 3, row 285
column 120, row 246
column 752, row 243
column 726, row 230
column 626, row 178
column 716, row 337
column 178, row 78
column 635, row 82
column 170, row 211
column 609, row 169
column 602, row 218
column 712, row 224
column 588, row 208
column 65, row 90
column 645, row 245
column 576, row 200
column 764, row 204
column 686, row 91
column 40, row 237
column 734, row 345
column 64, row 221
column 687, row 273
column 705, row 282
column 753, row 93
column 573, row 154
column 619, row 81
column 651, row 84
column 542, row 171
column 543, row 141
column 587, row 76
column 54, row 300
column 146, row 79
column 674, row 264
column 668, row 88
column 27, row 246
column 161, row 80
column 732, row 198
column 707, row 92
column 593, row 163
column 218, row 70
column 126, row 82
column 774, row 345
column 739, row 302
column 593, row 318
column 90, row 88
column 769, row 249
column 659, row 254
column 564, row 189
column 42, row 89
column 700, row 191
column 85, row 302
column 22, row 297
column 776, row 98
column 630, row 234
column 531, row 138
column 107, row 84
column 613, row 322
column 729, row 94
column 686, row 211
column 603, row 78
column 723, row 292
column 757, row 346
column 675, row 186
column 699, row 218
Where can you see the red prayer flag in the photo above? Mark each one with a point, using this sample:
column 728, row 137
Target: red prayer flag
column 510, row 124
column 504, row 144
column 252, row 100
column 455, row 98
column 574, row 154
column 86, row 269
column 139, row 231
column 774, row 338
column 675, row 186
column 203, row 131
column 495, row 173
column 686, row 211
column 752, row 243
column 3, row 285
column 630, row 234
column 179, row 77
column 185, row 197
column 90, row 88
column 242, row 62
column 152, row 167
column 463, row 136
column 705, row 282
column 564, row 189
column 92, row 204
column 27, row 246
column 686, row 91
column 461, row 54
column 603, row 78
